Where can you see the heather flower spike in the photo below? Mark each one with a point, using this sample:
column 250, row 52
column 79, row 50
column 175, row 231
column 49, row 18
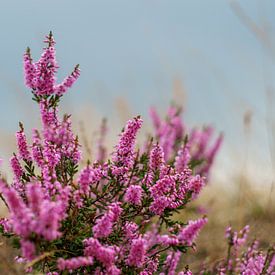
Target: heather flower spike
column 113, row 216
column 40, row 76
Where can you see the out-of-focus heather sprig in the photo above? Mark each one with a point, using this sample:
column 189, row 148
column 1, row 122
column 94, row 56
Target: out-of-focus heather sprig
column 194, row 147
column 115, row 216
column 242, row 258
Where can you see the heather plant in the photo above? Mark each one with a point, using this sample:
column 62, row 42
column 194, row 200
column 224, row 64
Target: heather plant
column 114, row 216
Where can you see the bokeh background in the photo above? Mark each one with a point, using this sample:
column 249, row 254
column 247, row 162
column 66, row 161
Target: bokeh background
column 213, row 57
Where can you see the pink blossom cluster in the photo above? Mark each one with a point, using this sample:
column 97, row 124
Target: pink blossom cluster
column 74, row 263
column 40, row 75
column 113, row 216
column 124, row 154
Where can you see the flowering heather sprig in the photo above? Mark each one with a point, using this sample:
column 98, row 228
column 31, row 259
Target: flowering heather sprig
column 88, row 177
column 37, row 149
column 29, row 69
column 104, row 226
column 156, row 158
column 237, row 239
column 248, row 261
column 68, row 82
column 183, row 158
column 109, row 217
column 16, row 167
column 39, row 216
column 133, row 194
column 40, row 76
column 22, row 144
column 189, row 233
column 137, row 252
column 171, row 262
column 124, row 153
column 104, row 254
column 198, row 149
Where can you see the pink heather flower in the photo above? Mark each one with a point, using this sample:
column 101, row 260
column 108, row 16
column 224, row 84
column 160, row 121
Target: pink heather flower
column 37, row 148
column 35, row 196
column 151, row 266
column 237, row 239
column 16, row 167
column 74, row 263
column 137, row 252
column 271, row 265
column 21, row 216
column 211, row 154
column 116, row 210
column 48, row 117
column 167, row 140
column 104, row 254
column 29, row 70
column 203, row 139
column 75, row 154
column 51, row 154
column 46, row 68
column 130, row 230
column 168, row 131
column 172, row 261
column 104, row 226
column 196, row 184
column 78, row 198
column 124, row 154
column 156, row 158
column 242, row 236
column 155, row 118
column 164, row 186
column 19, row 186
column 168, row 240
column 165, row 193
column 118, row 171
column 133, row 194
column 190, row 232
column 254, row 266
column 22, row 145
column 63, row 198
column 28, row 249
column 182, row 159
column 159, row 204
column 68, row 82
column 89, row 176
column 49, row 220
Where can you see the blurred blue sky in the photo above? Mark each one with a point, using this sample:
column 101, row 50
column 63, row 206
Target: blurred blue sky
column 137, row 50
